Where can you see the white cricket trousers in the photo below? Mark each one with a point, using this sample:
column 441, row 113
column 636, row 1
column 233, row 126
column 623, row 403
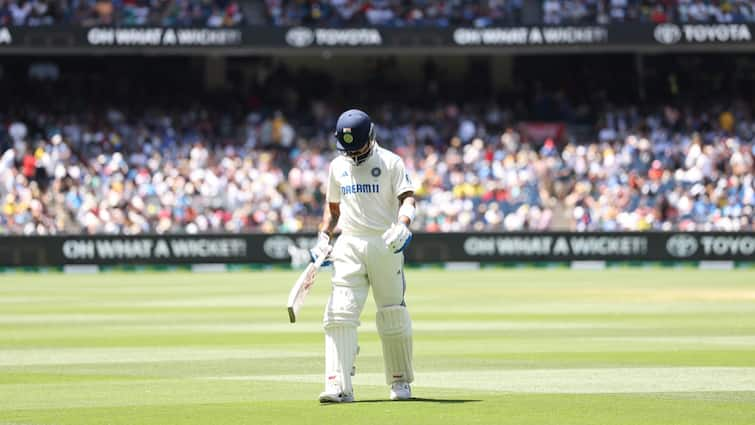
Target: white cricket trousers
column 361, row 262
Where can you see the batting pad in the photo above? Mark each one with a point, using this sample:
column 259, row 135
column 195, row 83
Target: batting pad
column 395, row 329
column 340, row 353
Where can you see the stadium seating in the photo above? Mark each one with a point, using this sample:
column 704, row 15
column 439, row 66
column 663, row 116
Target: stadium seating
column 198, row 170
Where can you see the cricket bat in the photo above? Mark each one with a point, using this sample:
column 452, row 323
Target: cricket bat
column 302, row 286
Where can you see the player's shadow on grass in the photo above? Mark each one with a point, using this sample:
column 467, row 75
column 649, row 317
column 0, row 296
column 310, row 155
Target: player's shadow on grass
column 421, row 400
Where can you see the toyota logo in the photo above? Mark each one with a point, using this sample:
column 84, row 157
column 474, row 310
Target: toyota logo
column 300, row 37
column 277, row 247
column 681, row 246
column 667, row 34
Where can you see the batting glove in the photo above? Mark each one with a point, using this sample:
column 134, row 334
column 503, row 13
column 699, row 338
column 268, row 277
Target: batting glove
column 397, row 237
column 322, row 246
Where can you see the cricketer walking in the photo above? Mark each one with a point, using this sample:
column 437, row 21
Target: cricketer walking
column 371, row 198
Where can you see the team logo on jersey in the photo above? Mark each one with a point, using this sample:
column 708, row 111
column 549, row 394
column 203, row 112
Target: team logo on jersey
column 375, row 172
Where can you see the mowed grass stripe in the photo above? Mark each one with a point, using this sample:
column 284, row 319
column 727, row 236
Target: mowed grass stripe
column 533, row 341
column 370, row 361
column 442, row 406
column 130, row 355
column 583, row 381
column 73, row 325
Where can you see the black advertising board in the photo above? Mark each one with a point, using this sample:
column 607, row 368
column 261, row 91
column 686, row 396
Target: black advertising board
column 564, row 246
column 249, row 39
column 425, row 248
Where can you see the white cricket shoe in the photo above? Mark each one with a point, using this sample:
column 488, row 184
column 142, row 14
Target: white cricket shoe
column 334, row 397
column 401, row 391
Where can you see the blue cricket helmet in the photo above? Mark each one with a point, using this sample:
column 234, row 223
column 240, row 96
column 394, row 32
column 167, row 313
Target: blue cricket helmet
column 355, row 135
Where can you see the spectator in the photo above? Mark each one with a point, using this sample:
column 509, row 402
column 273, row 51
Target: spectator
column 20, row 11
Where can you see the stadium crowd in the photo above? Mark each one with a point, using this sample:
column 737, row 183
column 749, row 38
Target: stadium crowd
column 682, row 11
column 203, row 13
column 391, row 13
column 486, row 13
column 394, row 13
column 194, row 169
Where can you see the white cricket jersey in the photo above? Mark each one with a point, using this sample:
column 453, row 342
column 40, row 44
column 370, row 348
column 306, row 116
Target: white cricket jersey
column 368, row 192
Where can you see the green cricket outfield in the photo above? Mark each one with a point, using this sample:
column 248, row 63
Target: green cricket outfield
column 526, row 346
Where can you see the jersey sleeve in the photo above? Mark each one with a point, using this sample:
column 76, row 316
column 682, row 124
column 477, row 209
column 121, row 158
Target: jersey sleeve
column 333, row 193
column 401, row 181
